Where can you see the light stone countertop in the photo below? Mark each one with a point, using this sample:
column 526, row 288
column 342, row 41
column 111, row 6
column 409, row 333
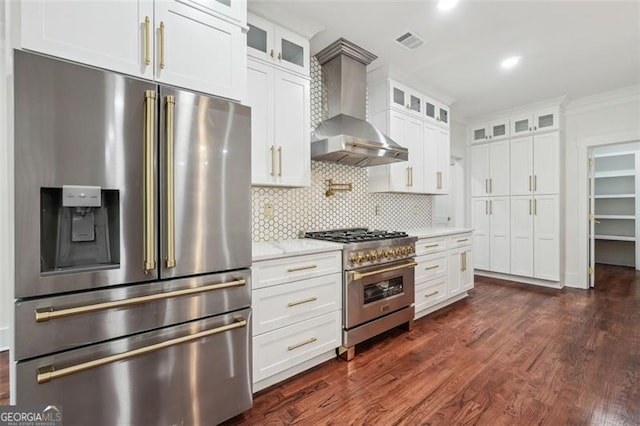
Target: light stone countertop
column 436, row 232
column 277, row 249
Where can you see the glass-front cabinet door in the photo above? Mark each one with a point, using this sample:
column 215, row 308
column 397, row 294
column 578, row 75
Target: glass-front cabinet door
column 521, row 125
column 430, row 109
column 546, row 120
column 499, row 129
column 479, row 133
column 260, row 38
column 292, row 51
column 405, row 98
column 443, row 115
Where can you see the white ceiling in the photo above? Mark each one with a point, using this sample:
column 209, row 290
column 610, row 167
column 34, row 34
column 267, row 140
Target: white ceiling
column 573, row 48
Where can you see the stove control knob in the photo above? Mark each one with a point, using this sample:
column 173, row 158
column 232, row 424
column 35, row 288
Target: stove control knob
column 353, row 258
column 396, row 252
column 367, row 257
column 403, row 251
column 359, row 258
column 381, row 254
column 373, row 255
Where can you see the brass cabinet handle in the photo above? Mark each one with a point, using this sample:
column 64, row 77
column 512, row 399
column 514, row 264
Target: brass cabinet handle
column 428, row 268
column 147, row 59
column 490, row 185
column 462, row 240
column 359, row 275
column 306, row 342
column 273, row 160
column 49, row 373
column 408, row 176
column 535, row 206
column 149, row 199
column 279, row 56
column 161, row 36
column 300, row 302
column 530, row 186
column 302, row 268
column 486, row 207
column 439, row 180
column 411, row 175
column 432, row 245
column 271, row 54
column 279, row 161
column 46, row 314
column 530, row 202
column 486, row 186
column 535, row 182
column 431, row 294
column 463, row 256
column 171, row 219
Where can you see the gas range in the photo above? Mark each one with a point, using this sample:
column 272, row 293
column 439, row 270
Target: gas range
column 364, row 247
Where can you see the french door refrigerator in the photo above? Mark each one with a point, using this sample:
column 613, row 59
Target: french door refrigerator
column 133, row 248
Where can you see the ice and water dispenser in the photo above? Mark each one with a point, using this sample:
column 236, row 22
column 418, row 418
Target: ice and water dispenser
column 79, row 229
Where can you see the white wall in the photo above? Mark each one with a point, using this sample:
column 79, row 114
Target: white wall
column 458, row 140
column 609, row 113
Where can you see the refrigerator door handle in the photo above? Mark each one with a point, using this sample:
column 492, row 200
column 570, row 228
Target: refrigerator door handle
column 149, row 198
column 171, row 219
column 46, row 314
column 48, row 373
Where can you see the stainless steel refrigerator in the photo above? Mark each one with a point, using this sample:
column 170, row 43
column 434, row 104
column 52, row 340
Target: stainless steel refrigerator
column 133, row 248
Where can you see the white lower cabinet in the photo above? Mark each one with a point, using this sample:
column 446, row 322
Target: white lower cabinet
column 445, row 274
column 297, row 312
column 491, row 219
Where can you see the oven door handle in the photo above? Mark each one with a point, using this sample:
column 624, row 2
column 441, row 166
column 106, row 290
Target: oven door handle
column 355, row 276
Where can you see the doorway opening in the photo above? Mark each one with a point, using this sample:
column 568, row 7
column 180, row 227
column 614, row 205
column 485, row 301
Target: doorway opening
column 449, row 209
column 614, row 208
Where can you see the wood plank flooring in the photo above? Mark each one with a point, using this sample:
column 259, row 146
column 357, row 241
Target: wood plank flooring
column 509, row 354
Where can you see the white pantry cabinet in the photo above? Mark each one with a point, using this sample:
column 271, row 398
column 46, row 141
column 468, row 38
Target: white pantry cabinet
column 280, row 121
column 436, row 159
column 272, row 43
column 491, row 220
column 535, row 236
column 490, row 169
column 297, row 305
column 535, row 164
column 195, row 44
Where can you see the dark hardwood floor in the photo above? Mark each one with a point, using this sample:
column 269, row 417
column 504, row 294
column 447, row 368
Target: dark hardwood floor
column 4, row 378
column 509, row 354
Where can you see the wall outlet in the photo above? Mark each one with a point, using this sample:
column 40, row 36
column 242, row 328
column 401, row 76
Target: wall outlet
column 269, row 211
column 378, row 209
column 415, row 210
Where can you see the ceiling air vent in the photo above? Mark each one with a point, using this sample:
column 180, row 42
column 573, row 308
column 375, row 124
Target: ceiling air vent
column 410, row 40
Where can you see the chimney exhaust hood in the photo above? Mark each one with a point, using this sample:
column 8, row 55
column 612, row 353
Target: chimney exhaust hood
column 346, row 137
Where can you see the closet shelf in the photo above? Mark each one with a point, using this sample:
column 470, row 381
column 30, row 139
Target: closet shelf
column 614, row 237
column 616, row 216
column 615, row 173
column 601, row 196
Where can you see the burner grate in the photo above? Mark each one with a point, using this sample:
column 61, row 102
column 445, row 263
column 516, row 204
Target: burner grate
column 355, row 235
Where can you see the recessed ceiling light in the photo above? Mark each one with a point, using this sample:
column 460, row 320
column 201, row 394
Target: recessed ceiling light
column 447, row 4
column 510, row 62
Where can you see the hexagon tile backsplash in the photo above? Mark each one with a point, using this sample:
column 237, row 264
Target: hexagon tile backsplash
column 308, row 209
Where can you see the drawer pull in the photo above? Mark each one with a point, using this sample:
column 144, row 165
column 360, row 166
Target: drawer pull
column 302, row 268
column 428, row 268
column 300, row 302
column 463, row 240
column 432, row 245
column 431, row 294
column 306, row 342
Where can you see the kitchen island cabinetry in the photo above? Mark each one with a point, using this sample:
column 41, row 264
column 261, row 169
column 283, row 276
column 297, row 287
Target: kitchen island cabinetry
column 152, row 40
column 444, row 273
column 297, row 308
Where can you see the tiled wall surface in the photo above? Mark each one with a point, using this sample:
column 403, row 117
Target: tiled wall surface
column 308, row 209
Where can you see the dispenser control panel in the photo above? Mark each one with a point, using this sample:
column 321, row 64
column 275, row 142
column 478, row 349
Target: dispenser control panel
column 81, row 196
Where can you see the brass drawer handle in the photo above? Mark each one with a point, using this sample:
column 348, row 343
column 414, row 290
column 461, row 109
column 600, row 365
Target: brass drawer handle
column 300, row 302
column 428, row 268
column 355, row 276
column 46, row 314
column 48, row 373
column 431, row 294
column 432, row 245
column 302, row 268
column 463, row 240
column 297, row 345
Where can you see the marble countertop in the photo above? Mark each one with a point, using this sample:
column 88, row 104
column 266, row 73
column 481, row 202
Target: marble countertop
column 285, row 248
column 436, row 232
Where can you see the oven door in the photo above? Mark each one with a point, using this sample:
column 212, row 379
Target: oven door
column 373, row 292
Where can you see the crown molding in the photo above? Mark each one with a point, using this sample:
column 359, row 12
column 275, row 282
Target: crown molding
column 521, row 109
column 603, row 100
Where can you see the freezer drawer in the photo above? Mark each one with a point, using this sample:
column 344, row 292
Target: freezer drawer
column 197, row 373
column 59, row 323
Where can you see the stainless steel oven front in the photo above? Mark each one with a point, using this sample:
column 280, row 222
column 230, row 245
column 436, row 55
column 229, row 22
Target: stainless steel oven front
column 377, row 291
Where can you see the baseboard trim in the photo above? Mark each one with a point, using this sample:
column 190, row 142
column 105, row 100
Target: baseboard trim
column 5, row 339
column 519, row 279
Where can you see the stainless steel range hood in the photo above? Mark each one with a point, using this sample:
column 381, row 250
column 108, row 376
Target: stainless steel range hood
column 346, row 137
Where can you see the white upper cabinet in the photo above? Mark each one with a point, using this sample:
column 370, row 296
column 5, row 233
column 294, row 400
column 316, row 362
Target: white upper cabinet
column 490, row 169
column 436, row 112
column 193, row 44
column 405, row 99
column 198, row 50
column 436, row 159
column 539, row 121
column 485, row 132
column 269, row 42
column 280, row 121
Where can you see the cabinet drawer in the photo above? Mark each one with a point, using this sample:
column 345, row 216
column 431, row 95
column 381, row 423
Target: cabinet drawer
column 289, row 346
column 430, row 245
column 430, row 267
column 460, row 240
column 285, row 304
column 278, row 271
column 430, row 293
